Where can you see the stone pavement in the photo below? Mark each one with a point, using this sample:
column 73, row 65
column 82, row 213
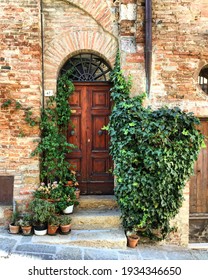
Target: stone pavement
column 12, row 245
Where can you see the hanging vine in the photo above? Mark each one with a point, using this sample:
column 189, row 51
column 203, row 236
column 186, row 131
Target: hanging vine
column 53, row 146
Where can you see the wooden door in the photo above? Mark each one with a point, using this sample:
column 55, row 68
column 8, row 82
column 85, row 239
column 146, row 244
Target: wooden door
column 91, row 107
column 198, row 225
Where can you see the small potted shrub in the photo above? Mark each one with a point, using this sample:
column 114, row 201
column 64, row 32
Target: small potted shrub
column 41, row 210
column 26, row 224
column 67, row 201
column 53, row 224
column 14, row 226
column 65, row 223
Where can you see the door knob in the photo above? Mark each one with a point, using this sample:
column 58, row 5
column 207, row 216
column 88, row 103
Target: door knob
column 72, row 132
column 100, row 132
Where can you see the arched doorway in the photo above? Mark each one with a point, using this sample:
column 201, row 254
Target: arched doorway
column 91, row 107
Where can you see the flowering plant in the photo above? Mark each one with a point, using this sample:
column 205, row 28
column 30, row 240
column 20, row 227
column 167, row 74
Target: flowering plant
column 47, row 191
column 73, row 179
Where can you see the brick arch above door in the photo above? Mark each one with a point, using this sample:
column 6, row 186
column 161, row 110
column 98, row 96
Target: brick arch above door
column 98, row 9
column 66, row 45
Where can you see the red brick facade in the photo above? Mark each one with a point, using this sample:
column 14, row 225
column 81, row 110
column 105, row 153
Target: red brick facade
column 180, row 34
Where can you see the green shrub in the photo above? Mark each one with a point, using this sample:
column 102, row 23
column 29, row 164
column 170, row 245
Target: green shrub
column 53, row 146
column 154, row 153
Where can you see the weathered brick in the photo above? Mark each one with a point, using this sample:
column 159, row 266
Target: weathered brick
column 179, row 39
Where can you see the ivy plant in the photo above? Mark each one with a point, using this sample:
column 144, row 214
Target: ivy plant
column 53, row 146
column 154, row 153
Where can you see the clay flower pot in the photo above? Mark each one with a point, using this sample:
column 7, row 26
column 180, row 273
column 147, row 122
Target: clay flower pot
column 77, row 193
column 26, row 230
column 132, row 240
column 52, row 229
column 14, row 229
column 65, row 228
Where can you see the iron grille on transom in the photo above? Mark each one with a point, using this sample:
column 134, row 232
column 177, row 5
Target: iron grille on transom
column 87, row 67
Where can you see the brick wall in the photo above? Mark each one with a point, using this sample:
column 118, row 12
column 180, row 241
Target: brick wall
column 179, row 52
column 20, row 80
column 180, row 35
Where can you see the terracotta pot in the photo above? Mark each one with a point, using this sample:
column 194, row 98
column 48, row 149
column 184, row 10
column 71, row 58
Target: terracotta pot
column 14, row 229
column 26, row 229
column 52, row 229
column 132, row 240
column 77, row 193
column 65, row 228
column 70, row 183
column 53, row 200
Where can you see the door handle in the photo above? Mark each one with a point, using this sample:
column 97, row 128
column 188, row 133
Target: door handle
column 72, row 132
column 100, row 132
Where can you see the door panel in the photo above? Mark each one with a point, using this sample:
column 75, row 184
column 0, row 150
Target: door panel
column 199, row 193
column 91, row 108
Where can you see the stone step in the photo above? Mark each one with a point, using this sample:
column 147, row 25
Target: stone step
column 97, row 202
column 105, row 238
column 95, row 223
column 87, row 219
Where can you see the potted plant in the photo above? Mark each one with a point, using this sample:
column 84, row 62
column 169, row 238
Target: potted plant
column 26, row 224
column 65, row 223
column 53, row 224
column 132, row 239
column 14, row 226
column 69, row 206
column 42, row 210
column 67, row 200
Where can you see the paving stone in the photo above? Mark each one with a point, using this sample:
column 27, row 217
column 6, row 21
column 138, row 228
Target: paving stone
column 180, row 255
column 199, row 254
column 90, row 254
column 6, row 246
column 32, row 256
column 69, row 254
column 36, row 248
column 149, row 253
column 129, row 255
column 26, row 239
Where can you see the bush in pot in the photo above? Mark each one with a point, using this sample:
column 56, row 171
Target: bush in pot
column 26, row 223
column 53, row 224
column 14, row 226
column 65, row 223
column 67, row 199
column 41, row 210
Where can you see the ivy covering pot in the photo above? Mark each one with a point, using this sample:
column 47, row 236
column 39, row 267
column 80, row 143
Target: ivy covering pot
column 154, row 153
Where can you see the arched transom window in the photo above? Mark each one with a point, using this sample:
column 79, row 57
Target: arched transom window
column 203, row 79
column 87, row 67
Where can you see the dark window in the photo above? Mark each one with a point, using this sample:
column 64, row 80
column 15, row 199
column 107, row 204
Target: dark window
column 6, row 190
column 86, row 67
column 203, row 79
